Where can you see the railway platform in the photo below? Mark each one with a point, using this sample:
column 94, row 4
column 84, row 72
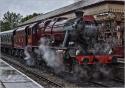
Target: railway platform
column 12, row 78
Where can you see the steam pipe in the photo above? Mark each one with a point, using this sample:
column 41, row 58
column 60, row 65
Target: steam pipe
column 53, row 27
column 65, row 38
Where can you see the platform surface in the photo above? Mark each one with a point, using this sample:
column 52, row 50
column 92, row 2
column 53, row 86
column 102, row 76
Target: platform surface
column 11, row 78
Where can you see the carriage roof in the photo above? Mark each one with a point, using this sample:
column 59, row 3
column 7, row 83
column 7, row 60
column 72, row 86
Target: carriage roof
column 6, row 32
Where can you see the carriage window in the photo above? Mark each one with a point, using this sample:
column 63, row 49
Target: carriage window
column 6, row 38
column 1, row 38
column 9, row 37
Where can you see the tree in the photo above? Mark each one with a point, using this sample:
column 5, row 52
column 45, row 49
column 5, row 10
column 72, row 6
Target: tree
column 5, row 26
column 29, row 17
column 10, row 21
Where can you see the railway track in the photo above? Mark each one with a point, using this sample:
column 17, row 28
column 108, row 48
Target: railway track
column 43, row 79
column 119, row 80
column 111, row 83
column 97, row 83
column 33, row 74
column 48, row 83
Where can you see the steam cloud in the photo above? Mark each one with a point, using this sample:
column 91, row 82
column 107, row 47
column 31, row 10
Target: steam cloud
column 102, row 48
column 53, row 58
column 29, row 59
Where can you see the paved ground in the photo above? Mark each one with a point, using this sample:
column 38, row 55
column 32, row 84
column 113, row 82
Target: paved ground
column 10, row 78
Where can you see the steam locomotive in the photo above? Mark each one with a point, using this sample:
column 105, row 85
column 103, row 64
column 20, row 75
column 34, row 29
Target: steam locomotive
column 75, row 38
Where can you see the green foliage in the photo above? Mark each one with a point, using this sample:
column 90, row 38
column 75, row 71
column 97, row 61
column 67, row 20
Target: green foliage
column 29, row 17
column 10, row 21
column 5, row 26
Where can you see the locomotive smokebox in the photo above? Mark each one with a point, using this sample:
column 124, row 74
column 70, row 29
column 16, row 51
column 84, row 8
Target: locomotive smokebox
column 79, row 14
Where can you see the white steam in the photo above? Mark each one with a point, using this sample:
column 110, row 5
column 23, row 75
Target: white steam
column 29, row 59
column 26, row 53
column 53, row 58
column 103, row 48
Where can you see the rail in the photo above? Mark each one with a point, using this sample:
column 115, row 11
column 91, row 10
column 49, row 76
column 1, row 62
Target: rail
column 54, row 84
column 34, row 74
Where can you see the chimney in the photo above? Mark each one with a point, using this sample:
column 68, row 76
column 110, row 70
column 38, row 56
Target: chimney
column 79, row 13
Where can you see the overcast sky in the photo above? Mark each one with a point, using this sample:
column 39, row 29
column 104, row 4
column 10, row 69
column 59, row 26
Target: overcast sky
column 26, row 7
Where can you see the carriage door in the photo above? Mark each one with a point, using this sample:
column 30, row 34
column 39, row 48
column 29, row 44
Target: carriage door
column 13, row 37
column 35, row 33
column 28, row 36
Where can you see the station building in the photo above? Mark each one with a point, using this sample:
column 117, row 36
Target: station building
column 101, row 9
column 108, row 13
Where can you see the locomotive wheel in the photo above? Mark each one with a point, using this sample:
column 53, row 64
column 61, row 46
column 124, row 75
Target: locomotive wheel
column 106, row 72
column 81, row 72
column 22, row 54
column 68, row 62
column 85, row 61
column 13, row 52
column 16, row 53
column 96, row 75
column 102, row 71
